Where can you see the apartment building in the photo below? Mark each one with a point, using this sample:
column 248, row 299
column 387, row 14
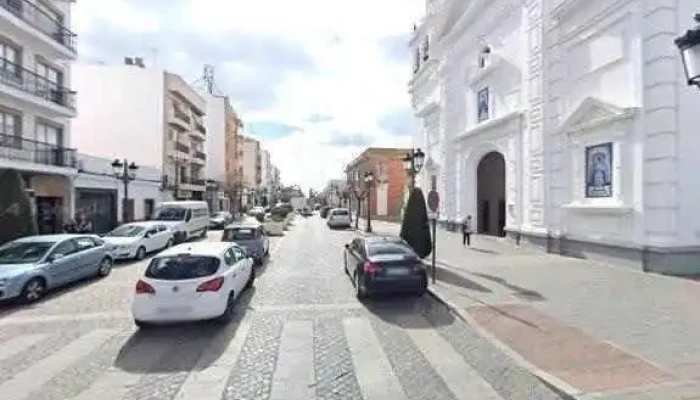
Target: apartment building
column 388, row 190
column 251, row 162
column 37, row 104
column 233, row 156
column 147, row 116
column 222, row 124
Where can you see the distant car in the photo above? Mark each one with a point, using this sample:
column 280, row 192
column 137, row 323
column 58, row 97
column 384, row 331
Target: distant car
column 306, row 212
column 338, row 218
column 135, row 240
column 191, row 282
column 383, row 264
column 324, row 211
column 251, row 236
column 32, row 265
column 220, row 220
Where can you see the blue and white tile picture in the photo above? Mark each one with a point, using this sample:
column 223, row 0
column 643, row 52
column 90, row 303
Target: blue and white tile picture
column 599, row 179
column 482, row 100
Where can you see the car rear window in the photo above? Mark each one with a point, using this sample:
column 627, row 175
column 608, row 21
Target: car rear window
column 340, row 212
column 232, row 235
column 182, row 267
column 376, row 249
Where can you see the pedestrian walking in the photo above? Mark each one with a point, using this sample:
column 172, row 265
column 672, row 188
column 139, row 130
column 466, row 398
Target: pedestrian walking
column 84, row 224
column 467, row 231
column 70, row 226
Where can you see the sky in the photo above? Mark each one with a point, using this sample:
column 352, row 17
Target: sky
column 317, row 81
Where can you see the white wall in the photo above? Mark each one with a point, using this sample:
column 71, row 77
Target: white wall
column 120, row 113
column 97, row 173
column 250, row 151
column 215, row 145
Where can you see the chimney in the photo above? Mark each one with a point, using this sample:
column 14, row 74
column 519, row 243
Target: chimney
column 138, row 61
column 128, row 61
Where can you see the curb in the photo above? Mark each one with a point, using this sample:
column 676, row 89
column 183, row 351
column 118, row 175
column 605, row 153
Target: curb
column 557, row 385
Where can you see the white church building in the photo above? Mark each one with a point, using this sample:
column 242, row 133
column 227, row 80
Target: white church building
column 563, row 124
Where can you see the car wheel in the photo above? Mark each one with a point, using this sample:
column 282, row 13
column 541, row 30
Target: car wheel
column 227, row 316
column 141, row 324
column 251, row 280
column 33, row 290
column 140, row 254
column 105, row 267
column 360, row 291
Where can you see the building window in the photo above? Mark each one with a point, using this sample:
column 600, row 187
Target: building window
column 482, row 104
column 49, row 83
column 11, row 60
column 48, row 134
column 599, row 179
column 484, row 57
column 10, row 124
column 426, row 48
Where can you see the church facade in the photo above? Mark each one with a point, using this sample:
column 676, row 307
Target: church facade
column 563, row 124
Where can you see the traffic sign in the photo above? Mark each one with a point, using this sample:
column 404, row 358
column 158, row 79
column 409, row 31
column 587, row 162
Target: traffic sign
column 433, row 201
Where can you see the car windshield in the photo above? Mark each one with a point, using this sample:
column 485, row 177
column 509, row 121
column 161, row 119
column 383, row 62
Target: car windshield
column 340, row 212
column 385, row 248
column 233, row 235
column 127, row 231
column 170, row 214
column 182, row 267
column 23, row 252
column 219, row 215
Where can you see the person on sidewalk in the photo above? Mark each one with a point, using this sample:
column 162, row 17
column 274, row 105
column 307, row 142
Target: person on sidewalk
column 467, row 231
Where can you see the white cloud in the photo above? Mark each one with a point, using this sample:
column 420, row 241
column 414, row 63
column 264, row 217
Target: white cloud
column 353, row 81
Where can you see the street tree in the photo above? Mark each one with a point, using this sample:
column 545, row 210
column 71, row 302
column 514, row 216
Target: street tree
column 415, row 228
column 16, row 214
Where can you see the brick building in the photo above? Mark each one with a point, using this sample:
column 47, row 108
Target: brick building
column 387, row 193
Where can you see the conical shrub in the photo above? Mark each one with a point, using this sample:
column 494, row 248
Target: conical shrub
column 16, row 214
column 415, row 228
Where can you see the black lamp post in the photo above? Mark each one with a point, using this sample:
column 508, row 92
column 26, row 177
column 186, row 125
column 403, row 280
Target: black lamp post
column 412, row 163
column 689, row 46
column 369, row 181
column 125, row 172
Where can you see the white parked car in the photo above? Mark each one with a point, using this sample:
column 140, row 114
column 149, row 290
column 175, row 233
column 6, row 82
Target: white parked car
column 136, row 239
column 193, row 282
column 339, row 218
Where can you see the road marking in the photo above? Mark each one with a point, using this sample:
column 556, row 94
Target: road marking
column 210, row 375
column 34, row 377
column 19, row 344
column 462, row 380
column 63, row 318
column 294, row 375
column 373, row 369
column 114, row 383
column 308, row 307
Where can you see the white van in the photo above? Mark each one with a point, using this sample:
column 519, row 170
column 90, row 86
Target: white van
column 187, row 219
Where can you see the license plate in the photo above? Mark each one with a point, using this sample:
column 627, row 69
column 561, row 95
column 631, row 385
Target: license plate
column 173, row 310
column 397, row 271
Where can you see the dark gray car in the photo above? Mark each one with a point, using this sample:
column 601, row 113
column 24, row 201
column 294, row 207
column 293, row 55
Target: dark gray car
column 251, row 236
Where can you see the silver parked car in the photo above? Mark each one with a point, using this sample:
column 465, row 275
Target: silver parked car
column 32, row 265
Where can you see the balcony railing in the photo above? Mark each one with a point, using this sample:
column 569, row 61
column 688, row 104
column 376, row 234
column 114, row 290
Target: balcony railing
column 17, row 148
column 193, row 181
column 200, row 155
column 18, row 77
column 181, row 147
column 201, row 128
column 41, row 20
column 182, row 115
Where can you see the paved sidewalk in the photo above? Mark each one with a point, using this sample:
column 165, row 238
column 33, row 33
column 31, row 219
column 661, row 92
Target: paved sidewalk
column 592, row 330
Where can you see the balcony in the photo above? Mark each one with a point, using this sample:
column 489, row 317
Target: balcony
column 17, row 148
column 200, row 127
column 181, row 115
column 22, row 82
column 200, row 155
column 182, row 147
column 24, row 16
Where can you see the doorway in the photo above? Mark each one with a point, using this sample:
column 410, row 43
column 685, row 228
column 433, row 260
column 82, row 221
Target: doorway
column 99, row 206
column 49, row 214
column 491, row 194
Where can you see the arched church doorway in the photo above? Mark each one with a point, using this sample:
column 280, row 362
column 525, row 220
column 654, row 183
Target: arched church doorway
column 491, row 194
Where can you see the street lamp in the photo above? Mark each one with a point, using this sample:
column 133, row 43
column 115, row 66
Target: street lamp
column 412, row 163
column 369, row 181
column 125, row 172
column 689, row 46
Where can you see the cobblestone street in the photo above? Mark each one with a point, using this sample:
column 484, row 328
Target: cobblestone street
column 299, row 335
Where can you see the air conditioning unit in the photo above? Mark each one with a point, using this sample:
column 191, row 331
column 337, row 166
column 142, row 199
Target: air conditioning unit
column 128, row 61
column 138, row 61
